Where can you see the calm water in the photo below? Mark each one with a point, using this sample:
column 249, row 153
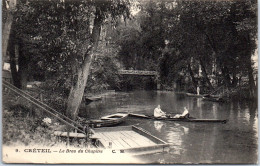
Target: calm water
column 233, row 142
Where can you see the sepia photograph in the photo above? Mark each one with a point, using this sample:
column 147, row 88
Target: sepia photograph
column 129, row 82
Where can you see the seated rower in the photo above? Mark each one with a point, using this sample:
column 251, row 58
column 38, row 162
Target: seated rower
column 158, row 112
column 185, row 114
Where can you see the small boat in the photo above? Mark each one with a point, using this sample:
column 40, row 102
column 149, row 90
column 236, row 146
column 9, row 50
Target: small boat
column 190, row 119
column 193, row 95
column 213, row 98
column 90, row 99
column 220, row 96
column 203, row 96
column 107, row 121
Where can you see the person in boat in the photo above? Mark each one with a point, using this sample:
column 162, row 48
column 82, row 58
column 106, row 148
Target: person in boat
column 158, row 112
column 185, row 114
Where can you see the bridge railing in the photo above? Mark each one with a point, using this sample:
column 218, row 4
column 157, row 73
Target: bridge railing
column 138, row 72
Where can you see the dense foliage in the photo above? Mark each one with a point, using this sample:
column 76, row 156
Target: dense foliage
column 71, row 45
column 210, row 43
column 55, row 36
column 53, row 39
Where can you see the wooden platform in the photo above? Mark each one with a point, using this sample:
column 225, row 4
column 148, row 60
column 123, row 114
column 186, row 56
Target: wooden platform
column 126, row 139
column 130, row 139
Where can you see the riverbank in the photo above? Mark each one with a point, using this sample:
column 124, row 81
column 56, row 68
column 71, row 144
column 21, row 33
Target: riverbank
column 25, row 124
column 22, row 125
column 236, row 93
column 99, row 94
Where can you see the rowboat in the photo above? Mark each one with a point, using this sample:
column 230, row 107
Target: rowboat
column 203, row 96
column 193, row 95
column 107, row 121
column 190, row 119
column 90, row 99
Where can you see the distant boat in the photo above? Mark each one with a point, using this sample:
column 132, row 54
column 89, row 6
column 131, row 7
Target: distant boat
column 90, row 99
column 109, row 120
column 213, row 98
column 203, row 96
column 194, row 95
column 191, row 119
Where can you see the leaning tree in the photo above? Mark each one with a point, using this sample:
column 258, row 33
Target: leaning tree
column 60, row 38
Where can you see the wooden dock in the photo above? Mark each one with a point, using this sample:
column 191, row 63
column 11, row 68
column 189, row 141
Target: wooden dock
column 126, row 139
column 130, row 139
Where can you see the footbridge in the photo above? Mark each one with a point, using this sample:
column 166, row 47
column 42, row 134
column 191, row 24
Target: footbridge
column 138, row 72
column 142, row 73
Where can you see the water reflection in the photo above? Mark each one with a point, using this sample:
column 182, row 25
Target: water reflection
column 158, row 125
column 174, row 136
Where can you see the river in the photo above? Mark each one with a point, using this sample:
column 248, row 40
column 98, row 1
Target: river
column 233, row 142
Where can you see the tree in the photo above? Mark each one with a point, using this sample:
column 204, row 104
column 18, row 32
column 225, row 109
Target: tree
column 212, row 32
column 61, row 39
column 102, row 10
column 219, row 37
column 8, row 9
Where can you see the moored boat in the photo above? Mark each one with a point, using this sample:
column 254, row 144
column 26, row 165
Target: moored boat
column 107, row 121
column 212, row 98
column 193, row 95
column 190, row 119
column 90, row 99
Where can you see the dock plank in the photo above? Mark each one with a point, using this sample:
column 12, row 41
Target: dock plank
column 105, row 137
column 108, row 136
column 130, row 140
column 144, row 141
column 139, row 138
column 118, row 138
column 111, row 135
column 126, row 142
column 104, row 143
column 115, row 144
column 113, row 139
column 135, row 140
column 123, row 144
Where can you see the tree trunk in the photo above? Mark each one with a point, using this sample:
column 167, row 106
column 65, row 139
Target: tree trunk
column 195, row 84
column 11, row 50
column 23, row 71
column 10, row 6
column 77, row 90
column 252, row 86
column 205, row 74
column 226, row 76
column 235, row 79
column 219, row 62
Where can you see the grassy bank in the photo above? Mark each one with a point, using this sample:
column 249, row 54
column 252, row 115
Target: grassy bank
column 22, row 125
column 25, row 125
